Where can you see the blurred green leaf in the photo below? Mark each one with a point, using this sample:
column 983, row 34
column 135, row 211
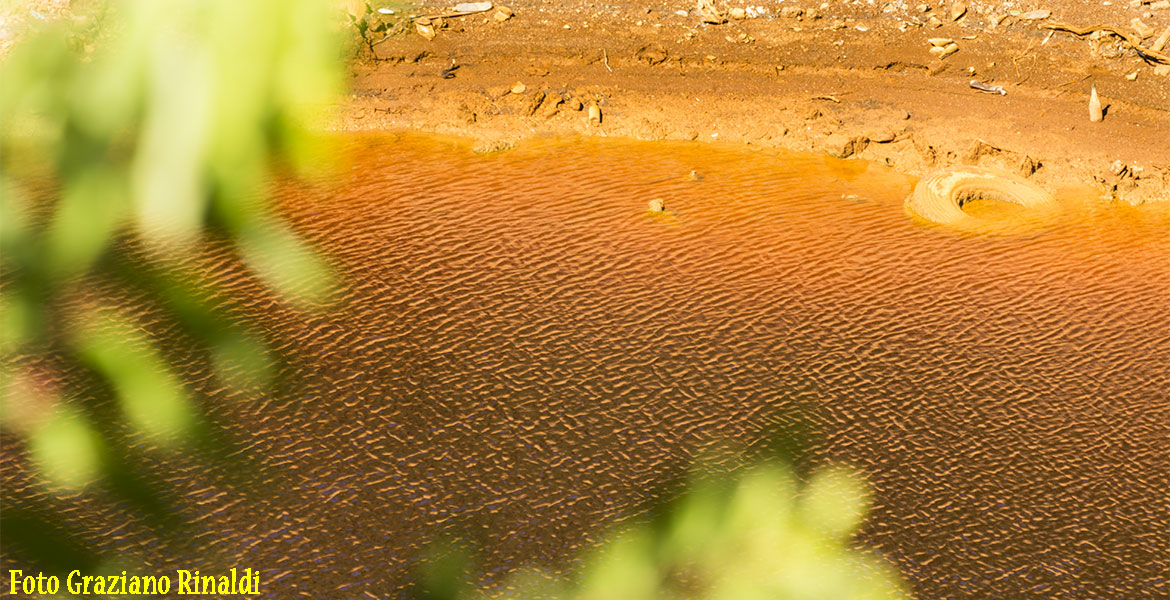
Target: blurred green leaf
column 68, row 450
column 152, row 398
column 834, row 502
column 286, row 264
column 125, row 148
column 90, row 210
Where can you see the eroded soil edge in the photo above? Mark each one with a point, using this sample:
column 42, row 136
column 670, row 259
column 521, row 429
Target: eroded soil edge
column 853, row 81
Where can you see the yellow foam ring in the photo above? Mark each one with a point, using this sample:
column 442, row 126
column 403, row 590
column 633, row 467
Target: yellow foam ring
column 940, row 196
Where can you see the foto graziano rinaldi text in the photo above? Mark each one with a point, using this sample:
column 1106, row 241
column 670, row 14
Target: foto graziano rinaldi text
column 184, row 582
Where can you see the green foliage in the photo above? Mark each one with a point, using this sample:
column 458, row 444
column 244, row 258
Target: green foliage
column 123, row 148
column 760, row 534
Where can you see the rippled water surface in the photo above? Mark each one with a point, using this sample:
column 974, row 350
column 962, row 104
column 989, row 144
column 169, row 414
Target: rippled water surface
column 525, row 351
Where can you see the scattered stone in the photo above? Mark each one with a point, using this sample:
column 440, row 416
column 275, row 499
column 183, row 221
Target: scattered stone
column 657, row 205
column 425, row 29
column 1144, row 31
column 738, row 14
column 532, row 102
column 1162, row 70
column 940, row 42
column 933, row 22
column 653, row 55
column 883, row 136
column 1036, row 15
column 792, row 12
column 709, row 14
column 1132, row 76
column 1095, row 112
column 1161, row 41
column 473, row 6
column 1161, row 5
column 979, row 149
column 944, row 51
column 503, row 13
column 1028, row 166
column 574, row 104
column 518, row 88
column 594, row 114
column 840, row 146
column 958, row 10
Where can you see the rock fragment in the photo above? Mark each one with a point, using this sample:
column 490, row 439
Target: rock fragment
column 1144, row 31
column 594, row 114
column 552, row 103
column 1161, row 41
column 944, row 51
column 532, row 102
column 425, row 28
column 841, row 146
column 958, row 10
column 1095, row 112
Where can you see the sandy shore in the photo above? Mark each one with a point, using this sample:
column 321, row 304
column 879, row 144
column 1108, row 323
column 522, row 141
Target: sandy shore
column 851, row 79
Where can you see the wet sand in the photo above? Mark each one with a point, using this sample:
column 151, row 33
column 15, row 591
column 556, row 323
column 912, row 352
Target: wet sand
column 843, row 78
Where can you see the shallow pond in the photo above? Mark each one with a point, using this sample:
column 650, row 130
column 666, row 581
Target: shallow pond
column 524, row 351
column 525, row 343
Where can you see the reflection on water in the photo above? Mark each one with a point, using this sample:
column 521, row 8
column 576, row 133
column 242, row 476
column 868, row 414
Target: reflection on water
column 524, row 352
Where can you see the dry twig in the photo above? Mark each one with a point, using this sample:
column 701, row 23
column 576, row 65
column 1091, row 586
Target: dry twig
column 1146, row 54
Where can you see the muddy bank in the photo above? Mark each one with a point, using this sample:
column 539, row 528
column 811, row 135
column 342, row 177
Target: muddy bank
column 848, row 79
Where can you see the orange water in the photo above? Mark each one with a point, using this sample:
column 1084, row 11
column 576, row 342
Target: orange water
column 523, row 352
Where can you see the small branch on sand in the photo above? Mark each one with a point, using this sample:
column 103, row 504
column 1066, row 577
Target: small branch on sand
column 1146, row 54
column 450, row 15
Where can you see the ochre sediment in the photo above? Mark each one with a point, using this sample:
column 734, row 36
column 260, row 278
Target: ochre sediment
column 849, row 81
